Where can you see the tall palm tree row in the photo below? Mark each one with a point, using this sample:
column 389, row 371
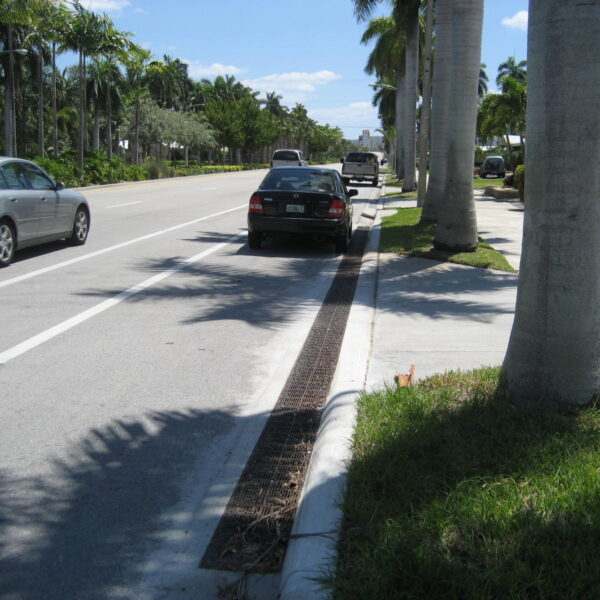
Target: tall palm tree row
column 113, row 82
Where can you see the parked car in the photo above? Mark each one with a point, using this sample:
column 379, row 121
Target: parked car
column 35, row 209
column 288, row 158
column 301, row 200
column 361, row 166
column 492, row 165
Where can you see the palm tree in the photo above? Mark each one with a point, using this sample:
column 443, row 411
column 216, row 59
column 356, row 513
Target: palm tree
column 482, row 88
column 552, row 356
column 510, row 68
column 84, row 36
column 387, row 62
column 425, row 108
column 456, row 218
column 406, row 13
column 136, row 63
column 14, row 13
column 442, row 75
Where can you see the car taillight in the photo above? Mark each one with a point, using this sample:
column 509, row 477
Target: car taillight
column 299, row 164
column 255, row 204
column 336, row 209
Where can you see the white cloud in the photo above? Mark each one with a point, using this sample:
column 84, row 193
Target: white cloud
column 518, row 21
column 197, row 69
column 105, row 5
column 293, row 87
column 352, row 118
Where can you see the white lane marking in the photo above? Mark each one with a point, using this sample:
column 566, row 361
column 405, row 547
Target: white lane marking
column 126, row 204
column 47, row 335
column 72, row 261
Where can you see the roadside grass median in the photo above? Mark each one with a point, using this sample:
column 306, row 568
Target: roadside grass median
column 453, row 493
column 403, row 233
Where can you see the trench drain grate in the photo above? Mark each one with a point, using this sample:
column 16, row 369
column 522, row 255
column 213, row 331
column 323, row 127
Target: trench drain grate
column 252, row 533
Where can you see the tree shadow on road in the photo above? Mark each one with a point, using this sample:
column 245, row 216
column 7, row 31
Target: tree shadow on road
column 80, row 532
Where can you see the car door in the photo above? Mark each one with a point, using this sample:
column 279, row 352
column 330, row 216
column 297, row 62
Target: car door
column 19, row 202
column 52, row 213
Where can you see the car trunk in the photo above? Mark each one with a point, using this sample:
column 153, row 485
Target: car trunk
column 310, row 205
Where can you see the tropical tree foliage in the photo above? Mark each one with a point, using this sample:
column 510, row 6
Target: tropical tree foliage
column 117, row 90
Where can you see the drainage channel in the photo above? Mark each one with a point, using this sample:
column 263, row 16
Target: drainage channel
column 253, row 531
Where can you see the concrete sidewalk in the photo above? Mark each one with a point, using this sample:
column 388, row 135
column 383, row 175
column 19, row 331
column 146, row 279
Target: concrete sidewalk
column 439, row 316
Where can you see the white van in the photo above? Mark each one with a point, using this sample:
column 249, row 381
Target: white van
column 288, row 158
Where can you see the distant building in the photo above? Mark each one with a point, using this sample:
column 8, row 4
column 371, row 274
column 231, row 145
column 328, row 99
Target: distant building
column 371, row 142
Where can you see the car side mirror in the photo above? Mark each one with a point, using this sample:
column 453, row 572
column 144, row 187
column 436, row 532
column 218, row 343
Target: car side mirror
column 59, row 185
column 352, row 193
column 342, row 159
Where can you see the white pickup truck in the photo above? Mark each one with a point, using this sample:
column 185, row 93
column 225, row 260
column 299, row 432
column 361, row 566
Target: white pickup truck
column 361, row 166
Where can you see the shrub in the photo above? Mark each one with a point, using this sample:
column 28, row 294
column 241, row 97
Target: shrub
column 509, row 180
column 520, row 181
column 60, row 169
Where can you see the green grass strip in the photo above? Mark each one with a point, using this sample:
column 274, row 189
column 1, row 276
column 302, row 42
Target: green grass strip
column 403, row 233
column 454, row 494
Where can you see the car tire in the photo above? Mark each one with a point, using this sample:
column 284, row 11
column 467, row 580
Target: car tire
column 347, row 180
column 8, row 242
column 81, row 227
column 342, row 241
column 482, row 176
column 375, row 182
column 254, row 240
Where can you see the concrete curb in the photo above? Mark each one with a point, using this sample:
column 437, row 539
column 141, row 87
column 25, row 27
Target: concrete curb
column 312, row 548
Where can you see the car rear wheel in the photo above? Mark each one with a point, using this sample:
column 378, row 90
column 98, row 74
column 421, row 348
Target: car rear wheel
column 7, row 243
column 375, row 182
column 254, row 240
column 81, row 227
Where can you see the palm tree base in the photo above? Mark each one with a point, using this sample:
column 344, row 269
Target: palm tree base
column 455, row 247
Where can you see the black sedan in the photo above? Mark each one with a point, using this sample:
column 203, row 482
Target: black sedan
column 300, row 200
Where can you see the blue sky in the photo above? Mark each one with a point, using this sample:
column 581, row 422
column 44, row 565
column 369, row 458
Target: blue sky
column 308, row 51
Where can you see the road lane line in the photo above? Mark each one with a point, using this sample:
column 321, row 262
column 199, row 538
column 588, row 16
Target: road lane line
column 126, row 204
column 52, row 332
column 72, row 261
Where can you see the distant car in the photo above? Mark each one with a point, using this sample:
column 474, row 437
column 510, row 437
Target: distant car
column 301, row 200
column 35, row 209
column 288, row 158
column 492, row 165
column 361, row 166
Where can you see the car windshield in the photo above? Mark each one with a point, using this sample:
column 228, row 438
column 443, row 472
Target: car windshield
column 285, row 155
column 360, row 157
column 301, row 180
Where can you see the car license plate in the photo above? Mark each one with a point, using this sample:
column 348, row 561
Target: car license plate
column 295, row 208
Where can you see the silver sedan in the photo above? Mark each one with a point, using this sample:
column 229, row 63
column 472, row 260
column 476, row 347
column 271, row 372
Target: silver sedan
column 35, row 209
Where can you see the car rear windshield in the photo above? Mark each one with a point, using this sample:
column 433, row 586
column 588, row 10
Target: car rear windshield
column 360, row 157
column 285, row 155
column 301, row 180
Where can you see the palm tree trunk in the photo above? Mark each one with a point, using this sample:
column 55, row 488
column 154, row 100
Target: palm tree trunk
column 425, row 108
column 9, row 102
column 439, row 112
column 399, row 166
column 410, row 95
column 552, row 356
column 108, row 122
column 81, row 141
column 96, row 129
column 40, row 78
column 136, row 139
column 457, row 221
column 54, row 105
column 510, row 152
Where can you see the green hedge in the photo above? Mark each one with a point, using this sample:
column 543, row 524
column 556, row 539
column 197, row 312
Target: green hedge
column 99, row 170
column 520, row 181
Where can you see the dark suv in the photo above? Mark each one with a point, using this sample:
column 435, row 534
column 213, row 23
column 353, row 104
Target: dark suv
column 492, row 165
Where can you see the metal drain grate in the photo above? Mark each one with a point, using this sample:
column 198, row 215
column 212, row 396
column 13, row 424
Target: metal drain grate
column 253, row 530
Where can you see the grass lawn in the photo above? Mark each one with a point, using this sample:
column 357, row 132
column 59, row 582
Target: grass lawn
column 454, row 494
column 404, row 234
column 480, row 184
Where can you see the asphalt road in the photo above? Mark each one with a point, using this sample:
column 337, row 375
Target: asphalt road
column 136, row 373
